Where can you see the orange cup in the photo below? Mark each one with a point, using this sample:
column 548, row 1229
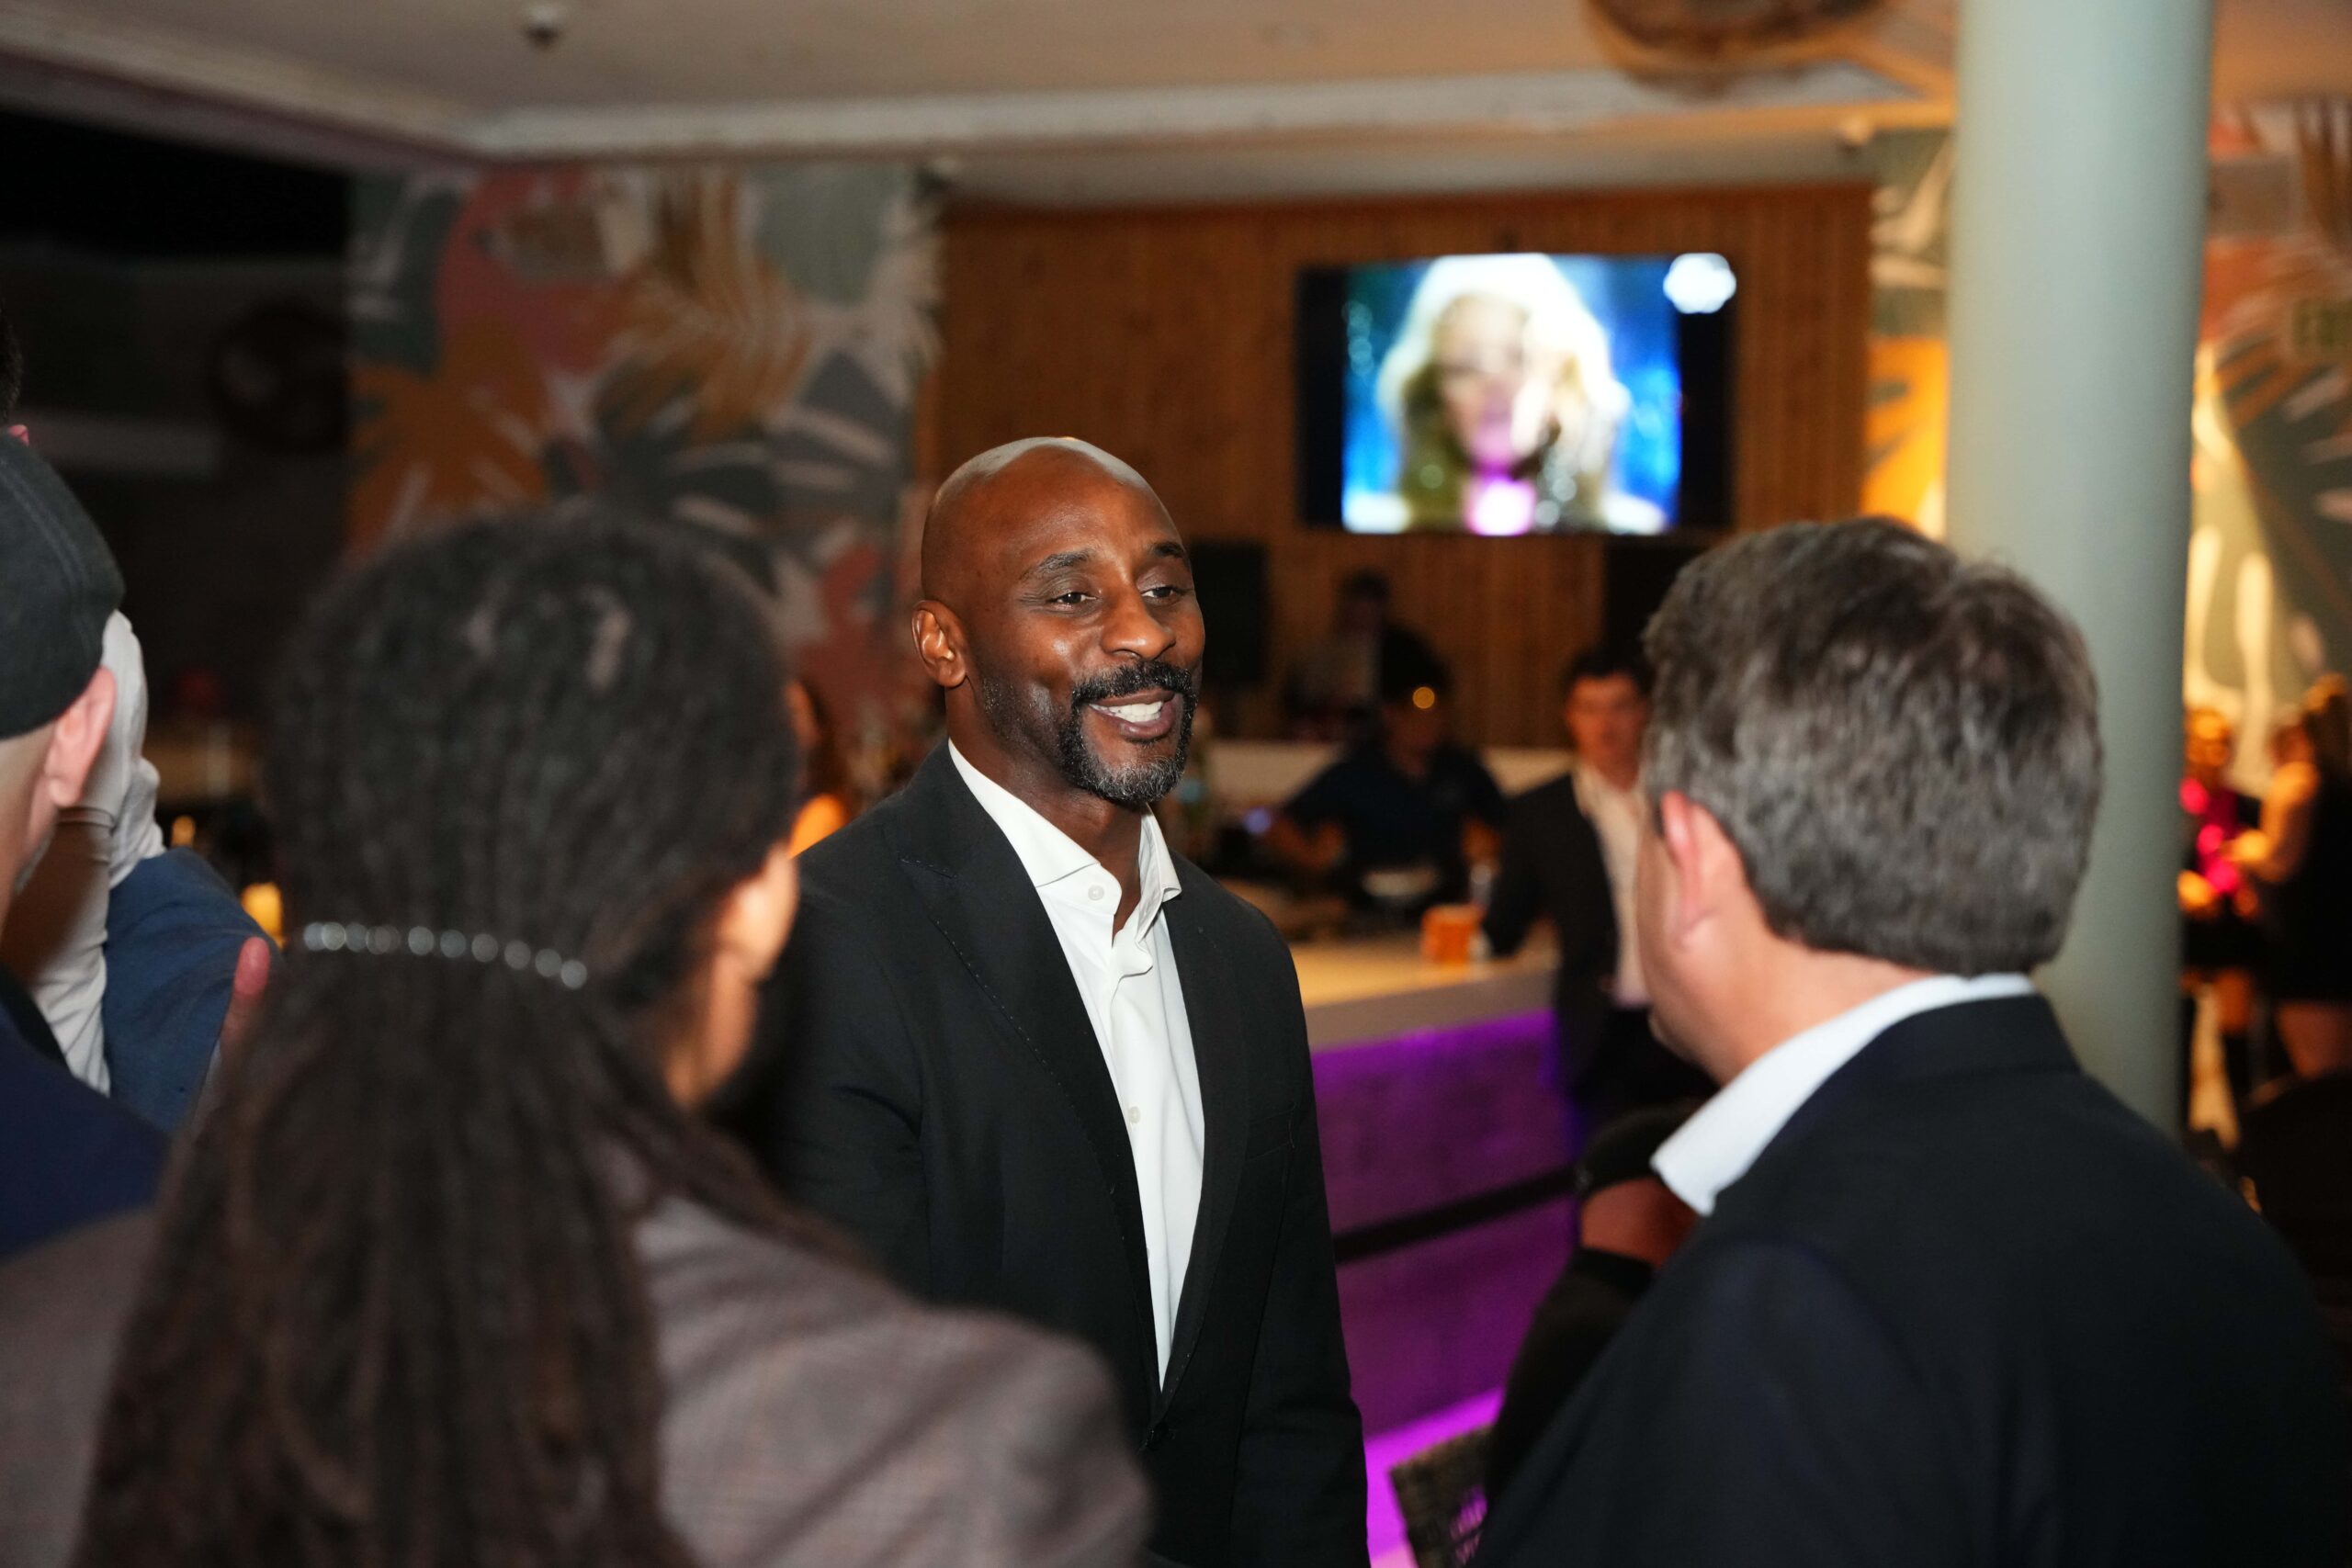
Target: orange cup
column 1447, row 933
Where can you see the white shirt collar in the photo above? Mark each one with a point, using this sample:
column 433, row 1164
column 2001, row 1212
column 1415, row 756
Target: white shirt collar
column 1716, row 1148
column 1050, row 855
column 1591, row 784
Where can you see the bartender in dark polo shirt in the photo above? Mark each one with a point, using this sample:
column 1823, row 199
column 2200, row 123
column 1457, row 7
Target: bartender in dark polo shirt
column 1389, row 822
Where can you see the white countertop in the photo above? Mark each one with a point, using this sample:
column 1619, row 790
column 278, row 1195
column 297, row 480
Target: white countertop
column 1376, row 988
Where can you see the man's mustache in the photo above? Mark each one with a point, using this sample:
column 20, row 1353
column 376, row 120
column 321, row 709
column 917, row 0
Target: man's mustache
column 1128, row 679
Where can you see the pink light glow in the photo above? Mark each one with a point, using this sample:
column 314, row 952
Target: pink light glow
column 1502, row 506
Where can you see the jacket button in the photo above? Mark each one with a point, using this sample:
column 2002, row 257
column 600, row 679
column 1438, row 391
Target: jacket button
column 1154, row 1439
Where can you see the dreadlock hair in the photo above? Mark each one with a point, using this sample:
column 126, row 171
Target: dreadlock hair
column 395, row 1318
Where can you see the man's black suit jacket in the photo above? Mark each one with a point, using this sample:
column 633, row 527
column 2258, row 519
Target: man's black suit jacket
column 1965, row 1309
column 936, row 1087
column 1552, row 867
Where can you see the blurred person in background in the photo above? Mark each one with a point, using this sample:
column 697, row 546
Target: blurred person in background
column 68, row 1155
column 1629, row 1223
column 1950, row 1302
column 828, row 804
column 1398, row 821
column 1333, row 691
column 2221, row 944
column 454, row 1274
column 2301, row 863
column 1568, row 854
column 139, row 959
column 58, row 942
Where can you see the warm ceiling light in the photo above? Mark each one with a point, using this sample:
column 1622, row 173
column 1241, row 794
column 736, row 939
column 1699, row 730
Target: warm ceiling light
column 1425, row 697
column 1699, row 283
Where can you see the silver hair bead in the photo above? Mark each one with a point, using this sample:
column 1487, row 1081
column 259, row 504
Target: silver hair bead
column 423, row 941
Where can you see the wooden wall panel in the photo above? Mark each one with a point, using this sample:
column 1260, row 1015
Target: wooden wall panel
column 1165, row 335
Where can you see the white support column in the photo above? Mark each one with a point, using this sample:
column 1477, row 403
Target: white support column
column 2076, row 264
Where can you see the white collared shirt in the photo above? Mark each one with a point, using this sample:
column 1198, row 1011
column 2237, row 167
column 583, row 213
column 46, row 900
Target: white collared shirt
column 1616, row 817
column 1716, row 1148
column 1127, row 979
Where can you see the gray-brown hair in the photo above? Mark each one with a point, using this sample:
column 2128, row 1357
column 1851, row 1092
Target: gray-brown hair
column 1901, row 744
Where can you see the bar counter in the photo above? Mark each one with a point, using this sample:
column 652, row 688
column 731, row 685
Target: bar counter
column 1434, row 1095
column 1374, row 989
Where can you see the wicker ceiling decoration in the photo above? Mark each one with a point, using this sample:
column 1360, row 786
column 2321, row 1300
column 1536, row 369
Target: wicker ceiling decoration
column 1721, row 30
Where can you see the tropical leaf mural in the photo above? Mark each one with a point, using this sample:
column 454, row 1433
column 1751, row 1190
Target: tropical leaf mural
column 732, row 351
column 2270, row 549
column 709, row 318
column 458, row 441
column 1903, row 474
column 2269, row 589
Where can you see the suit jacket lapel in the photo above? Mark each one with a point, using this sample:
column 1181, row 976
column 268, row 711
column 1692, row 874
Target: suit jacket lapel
column 1220, row 1053
column 976, row 894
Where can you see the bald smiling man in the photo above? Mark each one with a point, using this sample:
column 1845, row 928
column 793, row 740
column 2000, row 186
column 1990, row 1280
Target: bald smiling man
column 1037, row 1062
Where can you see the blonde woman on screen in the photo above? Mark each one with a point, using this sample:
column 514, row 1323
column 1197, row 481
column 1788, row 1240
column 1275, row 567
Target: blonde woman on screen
column 1505, row 406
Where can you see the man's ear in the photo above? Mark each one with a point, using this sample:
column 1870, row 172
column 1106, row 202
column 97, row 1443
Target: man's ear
column 756, row 919
column 1709, row 875
column 74, row 742
column 939, row 642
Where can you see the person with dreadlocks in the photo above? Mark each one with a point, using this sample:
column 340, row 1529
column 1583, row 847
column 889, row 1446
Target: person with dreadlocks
column 450, row 1273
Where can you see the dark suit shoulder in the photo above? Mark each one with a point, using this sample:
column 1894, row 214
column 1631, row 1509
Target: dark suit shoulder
column 1236, row 923
column 1982, row 1285
column 2036, row 1200
column 2007, row 1159
column 1752, row 1411
column 1550, row 798
column 2056, row 1273
column 69, row 1156
column 841, row 915
column 1551, row 815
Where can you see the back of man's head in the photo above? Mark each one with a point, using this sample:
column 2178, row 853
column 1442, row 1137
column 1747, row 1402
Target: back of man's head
column 1903, row 745
column 62, row 586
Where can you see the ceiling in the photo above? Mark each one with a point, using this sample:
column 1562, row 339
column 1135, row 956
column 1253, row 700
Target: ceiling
column 1034, row 99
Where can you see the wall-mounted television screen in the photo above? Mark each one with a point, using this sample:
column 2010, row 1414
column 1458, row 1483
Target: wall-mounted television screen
column 1516, row 394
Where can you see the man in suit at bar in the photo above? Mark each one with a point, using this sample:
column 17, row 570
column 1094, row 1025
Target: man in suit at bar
column 1952, row 1303
column 1037, row 1062
column 1568, row 856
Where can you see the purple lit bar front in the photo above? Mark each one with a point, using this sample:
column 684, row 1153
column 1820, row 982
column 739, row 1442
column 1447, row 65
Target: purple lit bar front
column 1413, row 1122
